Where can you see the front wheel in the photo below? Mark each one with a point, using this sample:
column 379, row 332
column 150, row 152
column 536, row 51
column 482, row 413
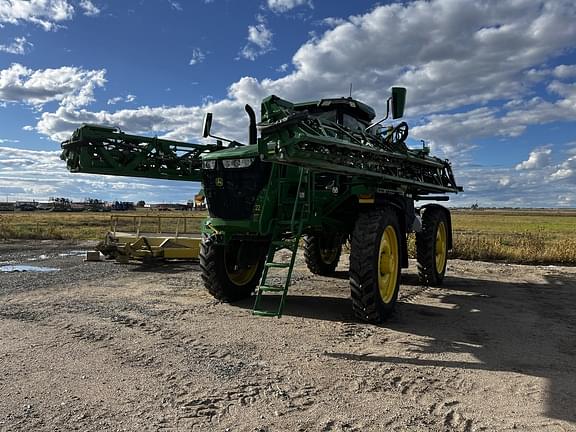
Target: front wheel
column 375, row 264
column 231, row 272
column 432, row 247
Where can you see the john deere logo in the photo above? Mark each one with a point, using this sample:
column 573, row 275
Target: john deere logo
column 219, row 181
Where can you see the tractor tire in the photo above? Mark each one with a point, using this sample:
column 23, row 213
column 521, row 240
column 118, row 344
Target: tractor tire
column 221, row 277
column 375, row 261
column 432, row 247
column 321, row 258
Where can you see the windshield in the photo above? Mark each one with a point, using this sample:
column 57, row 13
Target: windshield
column 343, row 119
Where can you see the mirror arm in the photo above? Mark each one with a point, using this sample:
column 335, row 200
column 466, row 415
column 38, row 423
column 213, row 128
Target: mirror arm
column 385, row 118
column 220, row 138
column 206, row 130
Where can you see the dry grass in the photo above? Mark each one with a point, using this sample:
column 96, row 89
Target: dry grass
column 523, row 237
column 538, row 237
column 93, row 226
column 526, row 248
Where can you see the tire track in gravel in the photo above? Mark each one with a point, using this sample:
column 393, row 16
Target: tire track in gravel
column 105, row 330
column 188, row 404
column 435, row 395
column 209, row 366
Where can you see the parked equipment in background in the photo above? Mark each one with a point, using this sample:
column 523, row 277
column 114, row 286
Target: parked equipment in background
column 321, row 173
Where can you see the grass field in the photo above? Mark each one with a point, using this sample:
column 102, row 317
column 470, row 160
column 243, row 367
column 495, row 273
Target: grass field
column 515, row 236
column 538, row 237
column 94, row 226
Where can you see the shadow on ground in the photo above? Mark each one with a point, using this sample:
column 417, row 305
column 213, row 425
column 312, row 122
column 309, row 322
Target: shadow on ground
column 525, row 328
column 169, row 267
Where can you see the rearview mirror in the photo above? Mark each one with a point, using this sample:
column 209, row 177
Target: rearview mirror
column 398, row 101
column 207, row 125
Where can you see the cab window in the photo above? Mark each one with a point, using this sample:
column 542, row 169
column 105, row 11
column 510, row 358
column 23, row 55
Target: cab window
column 352, row 123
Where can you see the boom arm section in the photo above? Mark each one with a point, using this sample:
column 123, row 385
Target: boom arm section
column 307, row 136
column 103, row 150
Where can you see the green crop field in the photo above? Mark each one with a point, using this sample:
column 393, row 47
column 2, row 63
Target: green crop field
column 515, row 236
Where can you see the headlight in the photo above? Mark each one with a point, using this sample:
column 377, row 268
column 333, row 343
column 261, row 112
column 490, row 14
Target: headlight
column 208, row 164
column 237, row 163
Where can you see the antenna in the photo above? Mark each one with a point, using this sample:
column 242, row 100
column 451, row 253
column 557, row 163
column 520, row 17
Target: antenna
column 350, row 91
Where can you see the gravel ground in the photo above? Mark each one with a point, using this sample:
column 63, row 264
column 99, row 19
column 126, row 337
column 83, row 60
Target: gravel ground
column 102, row 346
column 64, row 256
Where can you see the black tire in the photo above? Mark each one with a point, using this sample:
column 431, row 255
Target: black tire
column 321, row 254
column 431, row 250
column 366, row 253
column 217, row 264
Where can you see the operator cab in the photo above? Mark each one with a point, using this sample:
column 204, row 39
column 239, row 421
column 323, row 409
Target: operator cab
column 347, row 112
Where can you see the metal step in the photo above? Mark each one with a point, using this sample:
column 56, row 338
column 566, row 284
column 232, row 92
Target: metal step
column 270, row 288
column 276, row 265
column 265, row 313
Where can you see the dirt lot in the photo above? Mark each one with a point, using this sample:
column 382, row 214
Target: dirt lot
column 100, row 346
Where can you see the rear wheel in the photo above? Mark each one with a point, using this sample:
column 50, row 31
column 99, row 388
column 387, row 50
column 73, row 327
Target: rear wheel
column 231, row 272
column 375, row 265
column 322, row 254
column 432, row 247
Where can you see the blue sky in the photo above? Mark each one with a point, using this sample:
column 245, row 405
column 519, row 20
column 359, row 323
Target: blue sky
column 491, row 84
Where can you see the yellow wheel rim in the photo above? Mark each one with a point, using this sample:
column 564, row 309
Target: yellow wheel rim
column 441, row 247
column 388, row 264
column 241, row 276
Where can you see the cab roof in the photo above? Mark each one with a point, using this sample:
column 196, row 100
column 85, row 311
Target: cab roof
column 349, row 106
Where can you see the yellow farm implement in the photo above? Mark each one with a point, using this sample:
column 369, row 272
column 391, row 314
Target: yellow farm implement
column 152, row 238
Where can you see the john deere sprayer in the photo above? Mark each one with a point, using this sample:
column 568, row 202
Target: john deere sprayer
column 318, row 175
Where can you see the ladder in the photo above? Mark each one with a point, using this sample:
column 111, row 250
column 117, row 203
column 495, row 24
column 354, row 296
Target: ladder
column 280, row 241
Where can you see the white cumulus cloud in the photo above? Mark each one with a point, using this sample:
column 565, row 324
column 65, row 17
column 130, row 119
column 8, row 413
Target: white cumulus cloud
column 89, row 8
column 566, row 170
column 113, row 101
column 286, row 5
column 538, row 159
column 70, row 86
column 45, row 13
column 19, row 46
column 496, row 41
column 175, row 5
column 259, row 40
column 198, row 56
column 565, row 71
column 38, row 175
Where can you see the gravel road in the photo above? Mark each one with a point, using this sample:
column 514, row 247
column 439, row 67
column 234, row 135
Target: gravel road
column 101, row 346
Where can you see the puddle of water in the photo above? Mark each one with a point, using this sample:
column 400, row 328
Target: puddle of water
column 26, row 268
column 73, row 253
column 38, row 258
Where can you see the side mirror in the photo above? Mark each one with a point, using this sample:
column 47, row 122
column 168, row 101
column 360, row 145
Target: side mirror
column 398, row 101
column 207, row 125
